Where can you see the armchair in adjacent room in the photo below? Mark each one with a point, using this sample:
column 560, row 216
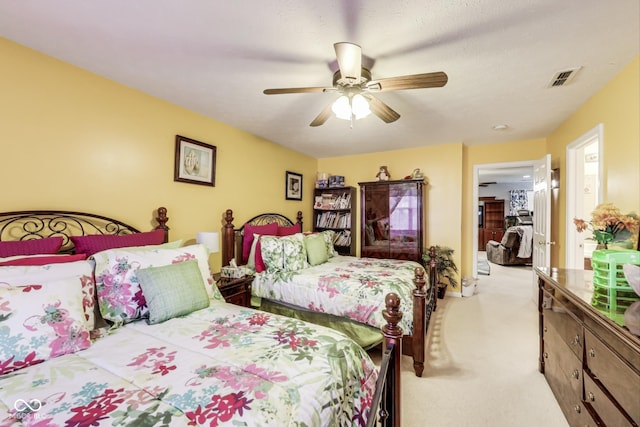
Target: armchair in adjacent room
column 515, row 247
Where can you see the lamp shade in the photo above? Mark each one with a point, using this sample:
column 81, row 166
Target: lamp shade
column 210, row 239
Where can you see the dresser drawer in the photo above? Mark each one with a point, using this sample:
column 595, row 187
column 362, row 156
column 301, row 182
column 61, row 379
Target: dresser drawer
column 563, row 388
column 620, row 379
column 606, row 409
column 571, row 367
column 563, row 371
column 559, row 317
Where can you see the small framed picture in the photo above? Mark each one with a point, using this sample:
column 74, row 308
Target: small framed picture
column 293, row 186
column 195, row 162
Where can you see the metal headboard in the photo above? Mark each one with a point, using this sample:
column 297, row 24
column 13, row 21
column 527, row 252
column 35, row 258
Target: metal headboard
column 39, row 224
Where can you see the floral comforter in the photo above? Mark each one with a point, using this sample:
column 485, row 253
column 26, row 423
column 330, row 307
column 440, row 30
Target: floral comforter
column 223, row 365
column 345, row 286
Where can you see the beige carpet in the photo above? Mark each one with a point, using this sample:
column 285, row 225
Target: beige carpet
column 482, row 361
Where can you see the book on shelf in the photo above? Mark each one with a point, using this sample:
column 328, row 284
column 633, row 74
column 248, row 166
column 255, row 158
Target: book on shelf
column 332, row 219
column 342, row 238
column 333, row 201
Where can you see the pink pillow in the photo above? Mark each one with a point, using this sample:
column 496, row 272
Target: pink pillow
column 94, row 243
column 44, row 260
column 249, row 230
column 259, row 262
column 287, row 231
column 47, row 245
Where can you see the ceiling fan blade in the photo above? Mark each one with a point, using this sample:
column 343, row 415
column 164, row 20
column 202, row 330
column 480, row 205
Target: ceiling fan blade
column 349, row 58
column 414, row 81
column 294, row 90
column 382, row 110
column 323, row 116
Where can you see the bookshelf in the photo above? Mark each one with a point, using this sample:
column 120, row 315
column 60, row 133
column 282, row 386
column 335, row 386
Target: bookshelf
column 493, row 222
column 333, row 209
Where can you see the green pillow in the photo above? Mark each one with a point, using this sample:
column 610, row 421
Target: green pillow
column 316, row 249
column 172, row 290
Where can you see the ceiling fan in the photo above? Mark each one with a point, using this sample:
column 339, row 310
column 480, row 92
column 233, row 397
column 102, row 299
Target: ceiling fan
column 356, row 88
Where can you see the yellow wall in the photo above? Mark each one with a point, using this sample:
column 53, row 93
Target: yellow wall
column 617, row 107
column 77, row 141
column 448, row 170
column 443, row 192
column 74, row 140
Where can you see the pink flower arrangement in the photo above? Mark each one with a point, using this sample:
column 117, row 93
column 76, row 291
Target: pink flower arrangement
column 608, row 223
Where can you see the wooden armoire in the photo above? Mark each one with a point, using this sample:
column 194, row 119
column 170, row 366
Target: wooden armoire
column 392, row 219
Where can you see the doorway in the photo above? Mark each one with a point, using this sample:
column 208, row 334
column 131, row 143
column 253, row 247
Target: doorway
column 497, row 179
column 583, row 193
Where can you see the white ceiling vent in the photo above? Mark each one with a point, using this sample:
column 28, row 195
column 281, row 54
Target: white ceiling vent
column 562, row 78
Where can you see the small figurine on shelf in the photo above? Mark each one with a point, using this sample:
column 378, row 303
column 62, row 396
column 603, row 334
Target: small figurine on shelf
column 417, row 174
column 383, row 174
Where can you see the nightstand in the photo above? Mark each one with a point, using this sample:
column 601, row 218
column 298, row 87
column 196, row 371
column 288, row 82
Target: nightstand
column 235, row 291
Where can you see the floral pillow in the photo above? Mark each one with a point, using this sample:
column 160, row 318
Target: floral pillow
column 329, row 235
column 284, row 253
column 120, row 296
column 272, row 252
column 41, row 321
column 294, row 253
column 81, row 270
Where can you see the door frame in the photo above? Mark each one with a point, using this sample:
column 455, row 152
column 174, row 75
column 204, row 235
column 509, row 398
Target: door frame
column 574, row 186
column 476, row 199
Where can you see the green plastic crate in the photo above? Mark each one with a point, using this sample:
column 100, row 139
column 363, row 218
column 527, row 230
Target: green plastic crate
column 612, row 294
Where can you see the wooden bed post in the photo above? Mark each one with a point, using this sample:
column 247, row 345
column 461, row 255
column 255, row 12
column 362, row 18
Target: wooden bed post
column 433, row 275
column 393, row 335
column 299, row 219
column 419, row 326
column 162, row 222
column 228, row 238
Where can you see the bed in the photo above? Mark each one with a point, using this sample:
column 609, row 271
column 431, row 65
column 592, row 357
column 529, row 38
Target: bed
column 74, row 287
column 343, row 292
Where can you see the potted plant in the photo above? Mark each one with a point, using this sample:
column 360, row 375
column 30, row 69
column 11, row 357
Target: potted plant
column 446, row 268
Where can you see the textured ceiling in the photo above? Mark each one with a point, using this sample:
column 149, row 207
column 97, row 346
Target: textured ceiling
column 216, row 58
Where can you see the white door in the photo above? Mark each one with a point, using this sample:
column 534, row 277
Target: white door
column 541, row 217
column 583, row 192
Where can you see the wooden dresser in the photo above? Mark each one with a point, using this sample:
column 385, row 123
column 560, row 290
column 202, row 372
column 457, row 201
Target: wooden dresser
column 591, row 363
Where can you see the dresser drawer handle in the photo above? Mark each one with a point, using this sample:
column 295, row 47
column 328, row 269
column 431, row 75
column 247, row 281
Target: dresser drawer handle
column 576, row 374
column 545, row 329
column 591, row 397
column 576, row 340
column 546, row 355
column 592, row 353
column 578, row 409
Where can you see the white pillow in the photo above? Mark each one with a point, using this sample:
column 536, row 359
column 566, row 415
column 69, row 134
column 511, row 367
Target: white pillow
column 40, row 321
column 82, row 270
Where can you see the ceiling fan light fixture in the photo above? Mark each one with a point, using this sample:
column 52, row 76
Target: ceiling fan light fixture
column 341, row 108
column 348, row 108
column 353, row 83
column 360, row 106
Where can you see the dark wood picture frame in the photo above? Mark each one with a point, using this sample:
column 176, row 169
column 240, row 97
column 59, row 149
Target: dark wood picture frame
column 195, row 162
column 293, row 186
